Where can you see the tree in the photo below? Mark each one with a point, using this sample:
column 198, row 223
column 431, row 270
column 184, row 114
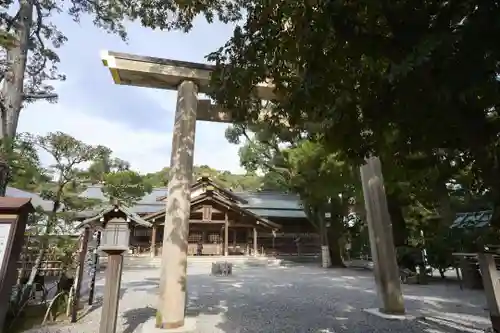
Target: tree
column 326, row 184
column 29, row 40
column 323, row 181
column 357, row 78
column 125, row 186
column 247, row 182
column 26, row 170
column 104, row 165
column 68, row 154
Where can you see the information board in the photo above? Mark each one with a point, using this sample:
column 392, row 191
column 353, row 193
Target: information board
column 4, row 239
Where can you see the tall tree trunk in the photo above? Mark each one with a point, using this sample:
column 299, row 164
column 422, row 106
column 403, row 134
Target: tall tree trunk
column 317, row 218
column 11, row 92
column 334, row 241
column 326, row 260
column 335, row 235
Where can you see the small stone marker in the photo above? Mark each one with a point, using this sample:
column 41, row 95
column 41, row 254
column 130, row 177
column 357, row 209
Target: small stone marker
column 222, row 268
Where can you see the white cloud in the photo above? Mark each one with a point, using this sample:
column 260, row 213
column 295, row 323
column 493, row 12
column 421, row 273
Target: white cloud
column 145, row 150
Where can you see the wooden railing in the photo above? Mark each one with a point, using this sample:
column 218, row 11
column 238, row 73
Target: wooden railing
column 47, row 268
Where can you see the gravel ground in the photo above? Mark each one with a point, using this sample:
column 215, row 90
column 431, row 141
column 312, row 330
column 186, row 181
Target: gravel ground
column 290, row 299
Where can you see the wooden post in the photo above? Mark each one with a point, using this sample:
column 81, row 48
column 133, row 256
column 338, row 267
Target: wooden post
column 491, row 287
column 226, row 235
column 14, row 214
column 386, row 269
column 255, row 246
column 172, row 303
column 153, row 241
column 247, row 242
column 95, row 266
column 111, row 297
column 79, row 275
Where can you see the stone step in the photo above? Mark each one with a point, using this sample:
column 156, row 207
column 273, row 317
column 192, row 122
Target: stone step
column 149, row 262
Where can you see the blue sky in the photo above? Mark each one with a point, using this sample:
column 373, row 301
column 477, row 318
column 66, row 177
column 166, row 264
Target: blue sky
column 136, row 123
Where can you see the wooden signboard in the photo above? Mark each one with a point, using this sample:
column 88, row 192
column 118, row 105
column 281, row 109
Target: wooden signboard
column 14, row 214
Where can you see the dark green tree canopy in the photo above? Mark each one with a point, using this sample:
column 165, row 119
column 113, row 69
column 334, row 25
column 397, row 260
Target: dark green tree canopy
column 417, row 76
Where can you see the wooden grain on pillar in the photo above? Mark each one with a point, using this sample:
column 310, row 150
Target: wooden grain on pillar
column 255, row 245
column 171, row 310
column 153, row 241
column 491, row 284
column 381, row 240
column 226, row 235
column 109, row 312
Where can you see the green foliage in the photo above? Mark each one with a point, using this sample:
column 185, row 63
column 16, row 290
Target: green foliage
column 67, row 154
column 7, row 40
column 356, row 79
column 247, row 182
column 127, row 186
column 179, row 14
column 25, row 170
column 439, row 246
column 110, row 16
column 103, row 165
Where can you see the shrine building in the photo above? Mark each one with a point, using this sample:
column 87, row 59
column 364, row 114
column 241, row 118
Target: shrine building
column 223, row 222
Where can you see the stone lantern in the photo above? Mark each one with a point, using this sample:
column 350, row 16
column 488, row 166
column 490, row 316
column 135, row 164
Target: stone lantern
column 115, row 235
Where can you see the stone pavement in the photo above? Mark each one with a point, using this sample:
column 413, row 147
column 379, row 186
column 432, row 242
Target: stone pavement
column 293, row 299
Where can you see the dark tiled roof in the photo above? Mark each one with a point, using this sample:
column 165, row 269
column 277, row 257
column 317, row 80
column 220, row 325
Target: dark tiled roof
column 273, row 204
column 265, row 204
column 14, row 204
column 146, row 205
column 36, row 200
column 284, row 213
column 129, row 213
column 472, row 219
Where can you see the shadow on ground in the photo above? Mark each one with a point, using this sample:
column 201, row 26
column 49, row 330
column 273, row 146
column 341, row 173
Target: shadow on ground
column 309, row 299
column 97, row 304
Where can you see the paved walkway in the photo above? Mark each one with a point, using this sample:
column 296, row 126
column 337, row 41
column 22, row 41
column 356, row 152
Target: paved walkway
column 295, row 299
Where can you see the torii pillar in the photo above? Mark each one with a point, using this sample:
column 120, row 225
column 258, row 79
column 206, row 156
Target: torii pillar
column 188, row 79
column 172, row 305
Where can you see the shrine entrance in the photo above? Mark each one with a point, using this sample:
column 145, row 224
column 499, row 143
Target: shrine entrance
column 218, row 225
column 189, row 79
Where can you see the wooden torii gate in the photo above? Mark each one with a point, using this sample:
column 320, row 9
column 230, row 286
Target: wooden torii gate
column 189, row 79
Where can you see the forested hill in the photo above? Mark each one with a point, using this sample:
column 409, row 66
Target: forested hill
column 29, row 174
column 244, row 182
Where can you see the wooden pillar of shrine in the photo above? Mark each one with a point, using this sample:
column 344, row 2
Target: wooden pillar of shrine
column 255, row 245
column 153, row 240
column 172, row 302
column 226, row 235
